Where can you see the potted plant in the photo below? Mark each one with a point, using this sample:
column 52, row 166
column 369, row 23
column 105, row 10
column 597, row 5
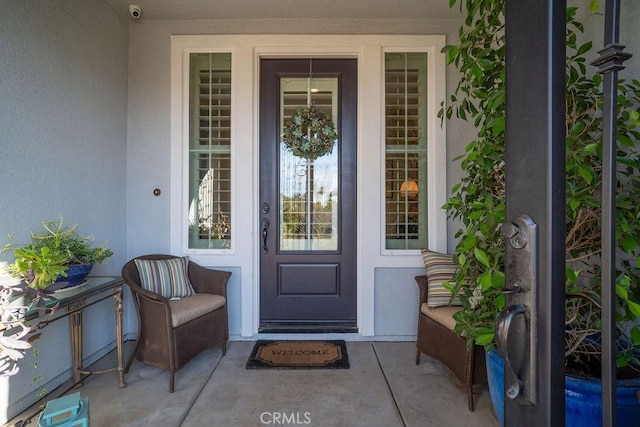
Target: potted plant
column 56, row 253
column 478, row 201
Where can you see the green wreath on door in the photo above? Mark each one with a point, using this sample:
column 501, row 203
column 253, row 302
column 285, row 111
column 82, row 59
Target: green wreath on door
column 310, row 133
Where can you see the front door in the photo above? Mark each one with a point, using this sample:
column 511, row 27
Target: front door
column 307, row 206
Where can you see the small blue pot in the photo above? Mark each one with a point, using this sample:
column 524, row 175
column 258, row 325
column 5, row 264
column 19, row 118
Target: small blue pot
column 583, row 397
column 76, row 273
column 495, row 375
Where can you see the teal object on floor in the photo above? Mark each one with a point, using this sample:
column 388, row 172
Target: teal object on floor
column 66, row 411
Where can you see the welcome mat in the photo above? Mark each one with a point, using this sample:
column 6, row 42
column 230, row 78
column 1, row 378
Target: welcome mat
column 299, row 355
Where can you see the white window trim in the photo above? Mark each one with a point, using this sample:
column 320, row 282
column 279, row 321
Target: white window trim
column 246, row 52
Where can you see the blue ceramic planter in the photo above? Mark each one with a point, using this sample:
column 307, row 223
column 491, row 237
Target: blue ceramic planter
column 583, row 401
column 495, row 374
column 76, row 273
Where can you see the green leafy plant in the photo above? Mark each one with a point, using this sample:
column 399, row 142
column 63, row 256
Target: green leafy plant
column 51, row 251
column 478, row 201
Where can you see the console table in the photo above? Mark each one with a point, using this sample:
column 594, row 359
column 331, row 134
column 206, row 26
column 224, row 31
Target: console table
column 71, row 302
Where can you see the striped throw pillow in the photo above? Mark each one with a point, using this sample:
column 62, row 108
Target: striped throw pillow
column 440, row 269
column 166, row 277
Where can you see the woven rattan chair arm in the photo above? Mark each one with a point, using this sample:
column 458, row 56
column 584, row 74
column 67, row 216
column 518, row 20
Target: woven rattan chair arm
column 148, row 295
column 205, row 280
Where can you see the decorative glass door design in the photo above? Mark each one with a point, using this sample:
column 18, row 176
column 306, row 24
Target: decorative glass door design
column 308, row 187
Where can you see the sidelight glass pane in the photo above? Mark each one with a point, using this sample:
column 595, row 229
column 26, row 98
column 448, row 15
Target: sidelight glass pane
column 309, row 189
column 210, row 151
column 405, row 150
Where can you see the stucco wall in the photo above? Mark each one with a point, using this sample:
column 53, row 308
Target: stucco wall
column 629, row 35
column 63, row 109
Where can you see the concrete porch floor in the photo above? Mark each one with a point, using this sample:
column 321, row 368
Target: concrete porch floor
column 383, row 387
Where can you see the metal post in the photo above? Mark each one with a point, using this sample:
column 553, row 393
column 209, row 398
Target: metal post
column 119, row 335
column 609, row 63
column 75, row 320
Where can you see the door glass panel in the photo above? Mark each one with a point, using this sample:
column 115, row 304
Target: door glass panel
column 309, row 189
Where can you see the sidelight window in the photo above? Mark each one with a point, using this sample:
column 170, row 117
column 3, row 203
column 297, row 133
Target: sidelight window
column 405, row 150
column 209, row 207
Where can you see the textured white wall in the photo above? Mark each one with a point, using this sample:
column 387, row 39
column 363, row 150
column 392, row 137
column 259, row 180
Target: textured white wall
column 630, row 36
column 396, row 303
column 63, row 108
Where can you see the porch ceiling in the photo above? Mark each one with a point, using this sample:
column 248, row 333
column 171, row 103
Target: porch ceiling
column 290, row 9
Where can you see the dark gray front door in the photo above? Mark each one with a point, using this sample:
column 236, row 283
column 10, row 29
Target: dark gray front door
column 307, row 207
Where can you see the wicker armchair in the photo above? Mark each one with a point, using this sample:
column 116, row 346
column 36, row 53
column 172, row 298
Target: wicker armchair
column 171, row 332
column 437, row 339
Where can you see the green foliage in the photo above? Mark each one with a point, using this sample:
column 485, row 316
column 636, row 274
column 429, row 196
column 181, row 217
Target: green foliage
column 40, row 266
column 51, row 251
column 478, row 201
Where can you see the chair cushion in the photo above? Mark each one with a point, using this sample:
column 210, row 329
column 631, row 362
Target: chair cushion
column 442, row 315
column 185, row 309
column 440, row 269
column 166, row 277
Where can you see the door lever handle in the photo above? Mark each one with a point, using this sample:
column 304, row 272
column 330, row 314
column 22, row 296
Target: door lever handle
column 265, row 233
column 513, row 321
